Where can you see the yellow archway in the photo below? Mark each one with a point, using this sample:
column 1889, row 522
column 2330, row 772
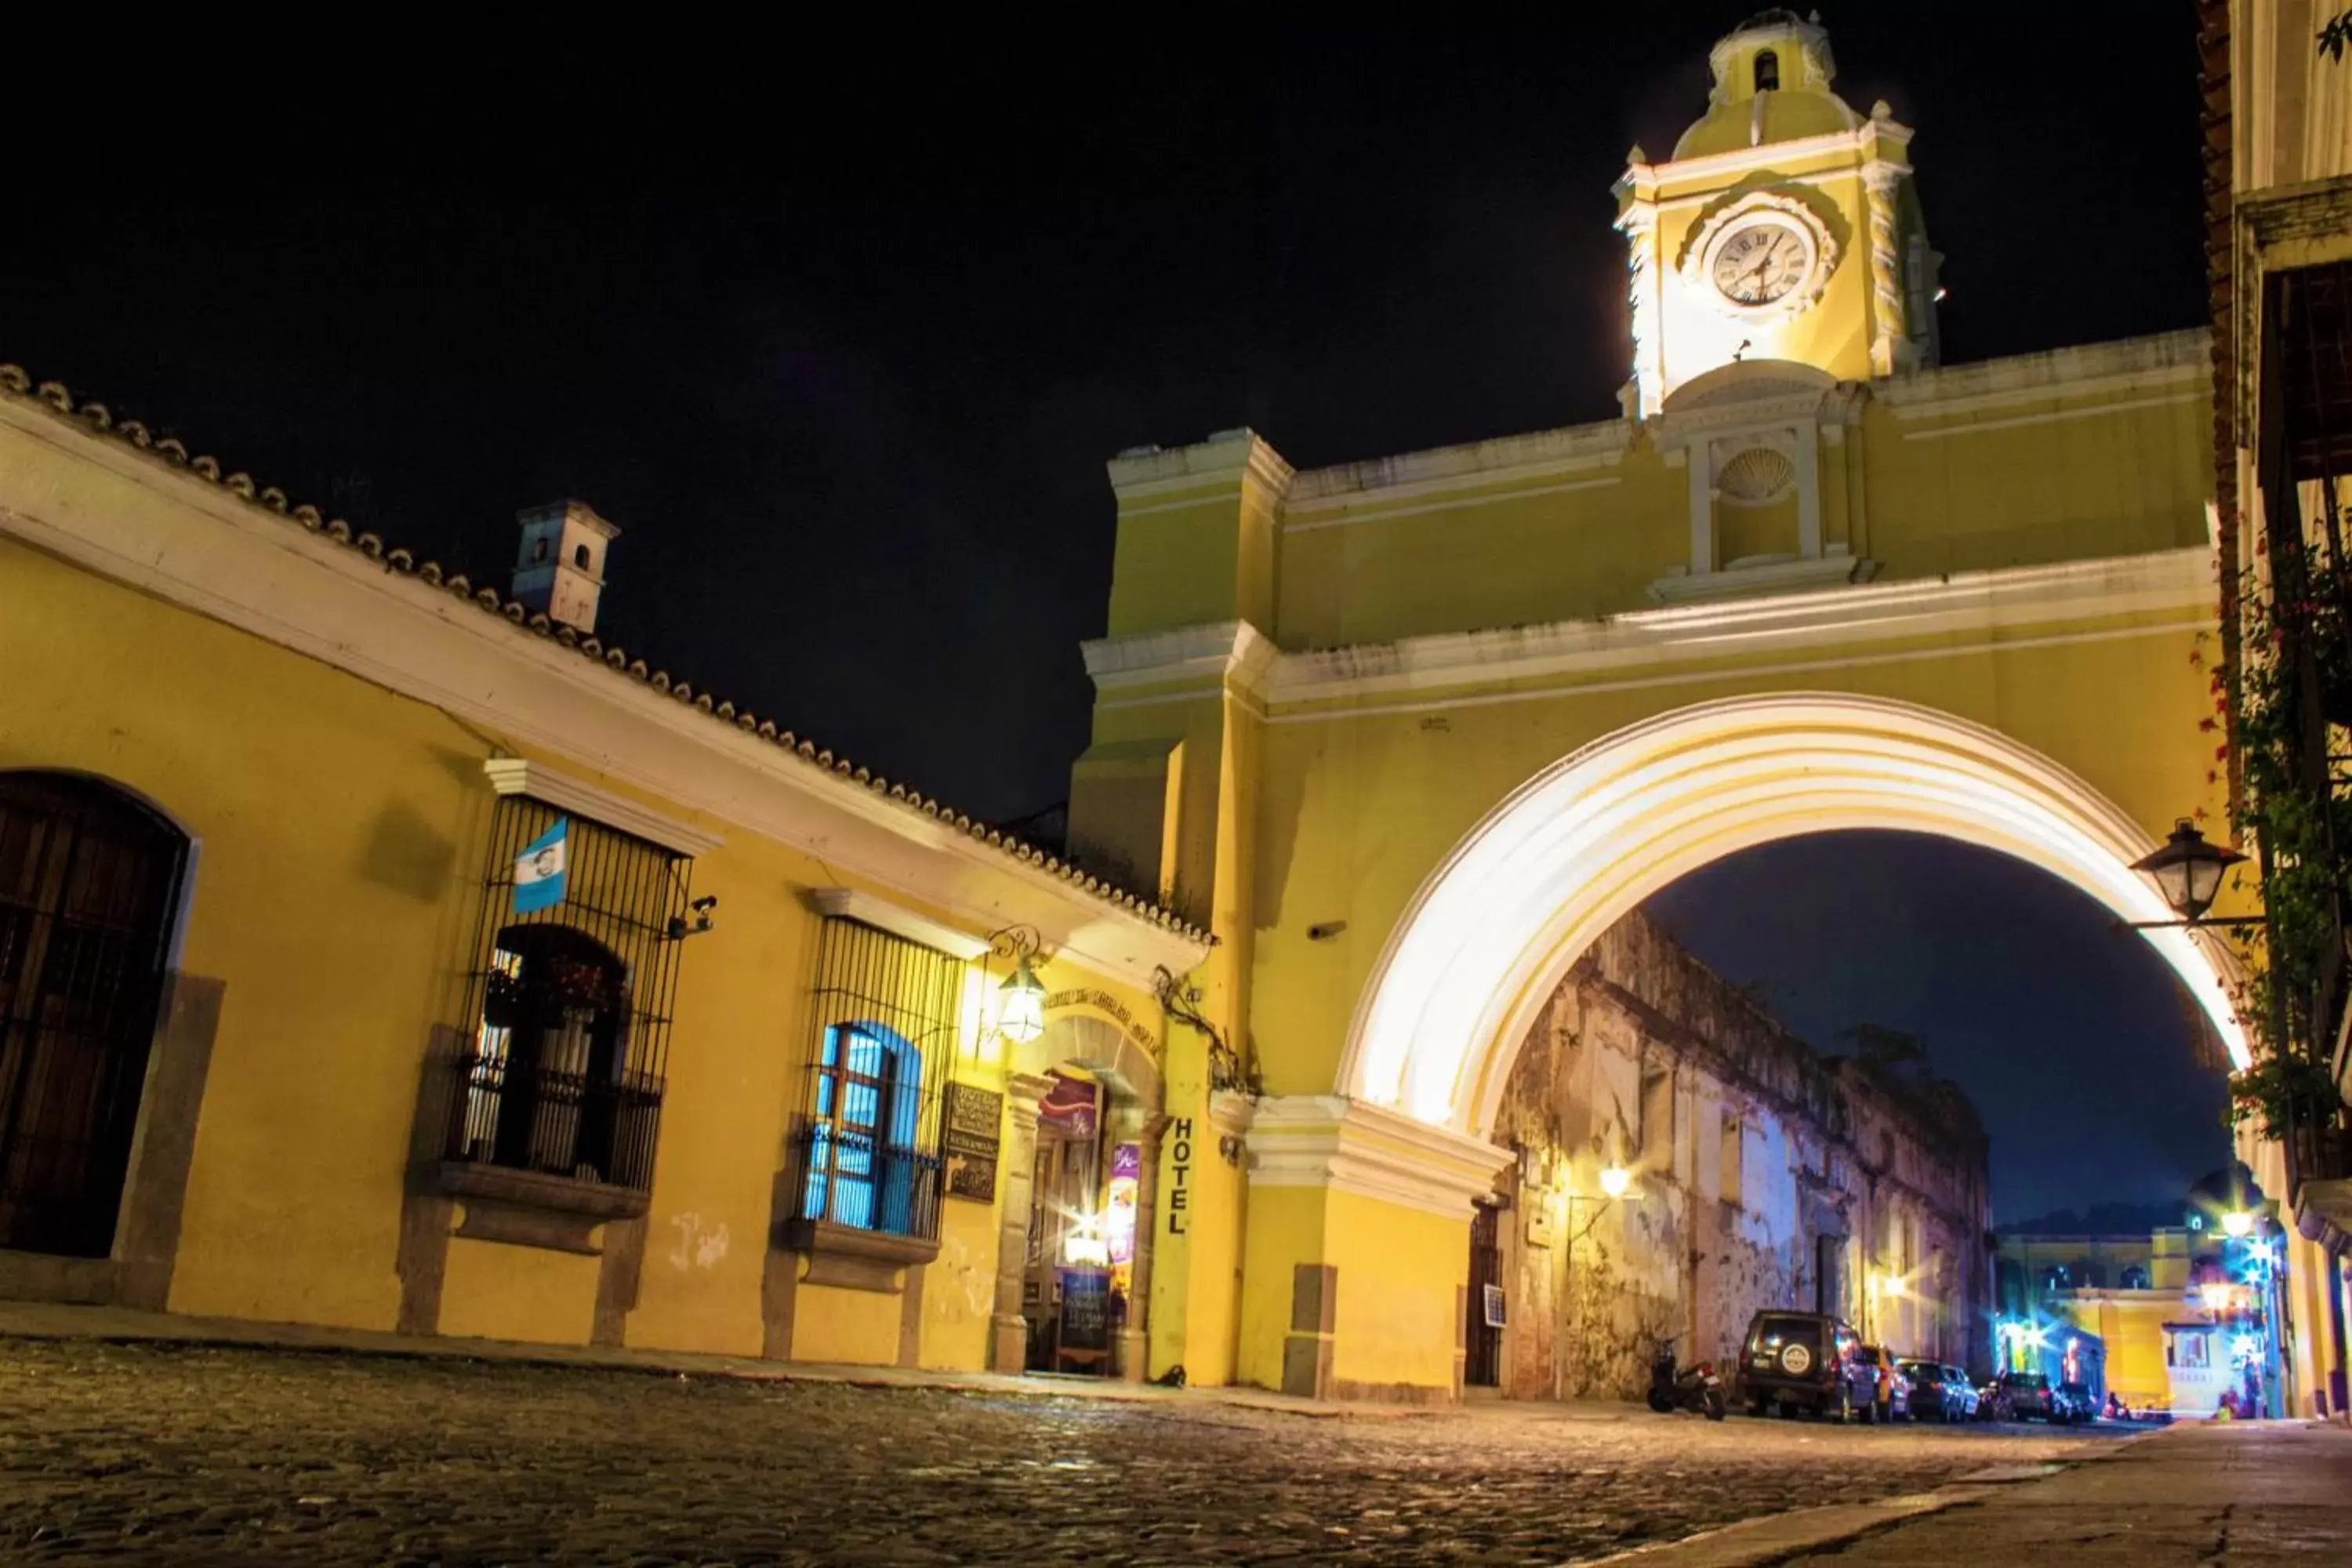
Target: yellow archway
column 1493, row 928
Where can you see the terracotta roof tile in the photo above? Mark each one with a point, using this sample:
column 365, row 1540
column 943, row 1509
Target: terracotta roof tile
column 16, row 383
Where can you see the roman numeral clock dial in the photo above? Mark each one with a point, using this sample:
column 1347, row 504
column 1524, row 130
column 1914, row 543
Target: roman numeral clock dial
column 1760, row 264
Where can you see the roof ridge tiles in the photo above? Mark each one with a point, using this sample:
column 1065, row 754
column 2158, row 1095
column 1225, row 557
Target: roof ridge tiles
column 16, row 383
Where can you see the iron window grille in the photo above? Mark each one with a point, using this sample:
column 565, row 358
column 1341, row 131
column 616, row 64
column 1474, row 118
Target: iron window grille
column 568, row 1007
column 884, row 1022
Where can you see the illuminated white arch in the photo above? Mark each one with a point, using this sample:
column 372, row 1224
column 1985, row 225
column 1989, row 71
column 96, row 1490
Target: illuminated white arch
column 1491, row 931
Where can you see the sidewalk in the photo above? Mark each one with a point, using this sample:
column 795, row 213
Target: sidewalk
column 40, row 1319
column 2230, row 1492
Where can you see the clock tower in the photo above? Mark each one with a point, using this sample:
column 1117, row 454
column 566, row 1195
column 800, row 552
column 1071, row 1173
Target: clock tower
column 1785, row 227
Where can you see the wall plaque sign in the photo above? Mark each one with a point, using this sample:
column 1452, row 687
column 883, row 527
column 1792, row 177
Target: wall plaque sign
column 968, row 1138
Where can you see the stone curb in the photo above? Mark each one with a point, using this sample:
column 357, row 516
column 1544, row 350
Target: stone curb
column 297, row 1340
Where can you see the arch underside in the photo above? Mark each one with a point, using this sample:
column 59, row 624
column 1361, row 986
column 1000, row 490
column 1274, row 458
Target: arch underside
column 1493, row 929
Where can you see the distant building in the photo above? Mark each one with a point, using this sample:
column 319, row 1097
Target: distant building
column 2181, row 1310
column 1762, row 1173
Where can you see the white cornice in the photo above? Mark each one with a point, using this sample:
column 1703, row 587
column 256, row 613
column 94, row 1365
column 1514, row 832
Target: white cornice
column 1842, row 616
column 1752, row 582
column 1540, row 454
column 2160, row 362
column 1738, row 160
column 1221, row 460
column 882, row 914
column 1221, row 651
column 513, row 775
column 202, row 547
column 1352, row 1146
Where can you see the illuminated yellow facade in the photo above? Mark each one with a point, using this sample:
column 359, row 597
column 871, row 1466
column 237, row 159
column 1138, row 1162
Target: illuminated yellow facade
column 338, row 1124
column 1410, row 734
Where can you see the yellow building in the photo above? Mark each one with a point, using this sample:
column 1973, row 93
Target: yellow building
column 506, row 986
column 2278, row 160
column 1410, row 734
column 1393, row 743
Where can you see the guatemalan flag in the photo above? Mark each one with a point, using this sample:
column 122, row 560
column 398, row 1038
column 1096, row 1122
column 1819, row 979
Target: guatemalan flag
column 539, row 868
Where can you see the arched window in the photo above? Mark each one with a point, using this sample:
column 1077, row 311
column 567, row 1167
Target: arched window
column 580, row 556
column 2135, row 1277
column 1768, row 71
column 548, row 1091
column 864, row 1164
column 89, row 883
column 539, row 547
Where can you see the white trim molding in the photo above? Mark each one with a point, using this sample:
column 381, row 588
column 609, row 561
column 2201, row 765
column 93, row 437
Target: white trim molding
column 1353, row 1146
column 2158, row 362
column 1541, row 453
column 1227, row 460
column 513, row 775
column 1219, row 652
column 883, row 914
column 1840, row 617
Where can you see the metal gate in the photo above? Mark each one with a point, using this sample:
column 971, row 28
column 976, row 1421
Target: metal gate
column 1481, row 1339
column 88, row 881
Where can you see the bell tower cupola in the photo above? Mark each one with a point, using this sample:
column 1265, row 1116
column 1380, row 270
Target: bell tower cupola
column 1785, row 227
column 560, row 566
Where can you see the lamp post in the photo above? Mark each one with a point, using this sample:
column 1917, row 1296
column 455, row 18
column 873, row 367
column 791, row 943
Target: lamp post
column 2187, row 872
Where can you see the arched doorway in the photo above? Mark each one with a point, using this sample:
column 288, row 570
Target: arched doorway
column 1082, row 1269
column 90, row 886
column 1495, row 926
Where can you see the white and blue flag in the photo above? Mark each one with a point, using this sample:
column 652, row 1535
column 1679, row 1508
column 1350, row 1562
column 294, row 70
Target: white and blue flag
column 539, row 870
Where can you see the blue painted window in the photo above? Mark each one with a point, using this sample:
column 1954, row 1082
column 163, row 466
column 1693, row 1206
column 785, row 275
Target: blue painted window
column 863, row 1165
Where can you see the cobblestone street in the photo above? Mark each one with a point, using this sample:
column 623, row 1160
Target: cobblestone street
column 197, row 1455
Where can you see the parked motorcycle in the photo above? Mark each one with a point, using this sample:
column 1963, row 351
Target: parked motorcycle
column 1698, row 1387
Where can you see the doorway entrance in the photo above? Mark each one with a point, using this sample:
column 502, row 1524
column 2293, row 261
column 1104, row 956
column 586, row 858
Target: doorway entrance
column 1482, row 1364
column 90, row 879
column 1067, row 1289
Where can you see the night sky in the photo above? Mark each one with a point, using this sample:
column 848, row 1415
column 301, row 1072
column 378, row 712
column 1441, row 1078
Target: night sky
column 840, row 331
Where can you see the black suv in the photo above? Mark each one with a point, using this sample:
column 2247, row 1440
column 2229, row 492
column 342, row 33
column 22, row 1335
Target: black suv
column 1805, row 1360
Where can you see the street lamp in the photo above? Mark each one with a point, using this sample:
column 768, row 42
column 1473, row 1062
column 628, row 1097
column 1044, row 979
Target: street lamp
column 1615, row 1179
column 2188, row 872
column 2238, row 1224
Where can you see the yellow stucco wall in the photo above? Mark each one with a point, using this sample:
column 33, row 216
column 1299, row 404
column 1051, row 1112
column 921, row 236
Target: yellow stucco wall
column 340, row 835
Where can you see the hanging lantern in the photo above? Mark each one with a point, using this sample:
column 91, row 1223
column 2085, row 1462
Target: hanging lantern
column 1021, row 1016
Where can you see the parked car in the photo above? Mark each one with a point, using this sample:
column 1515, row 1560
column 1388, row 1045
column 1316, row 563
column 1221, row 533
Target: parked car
column 1939, row 1393
column 2072, row 1404
column 1804, row 1361
column 2026, row 1395
column 1964, row 1386
column 1891, row 1398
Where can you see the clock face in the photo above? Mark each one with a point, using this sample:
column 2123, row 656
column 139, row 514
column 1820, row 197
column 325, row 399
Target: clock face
column 1761, row 263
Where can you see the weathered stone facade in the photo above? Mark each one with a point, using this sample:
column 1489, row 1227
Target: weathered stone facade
column 1764, row 1174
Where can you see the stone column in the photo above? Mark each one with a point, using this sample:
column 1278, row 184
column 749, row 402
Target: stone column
column 1135, row 1336
column 1702, row 506
column 1639, row 224
column 1016, row 1169
column 1887, row 327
